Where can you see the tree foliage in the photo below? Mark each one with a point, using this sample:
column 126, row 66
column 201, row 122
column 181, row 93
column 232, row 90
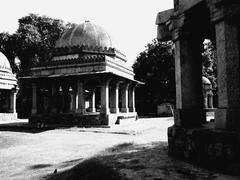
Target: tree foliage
column 155, row 67
column 33, row 41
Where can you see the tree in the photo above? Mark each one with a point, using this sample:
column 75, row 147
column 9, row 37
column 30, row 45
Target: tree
column 36, row 37
column 155, row 67
column 33, row 41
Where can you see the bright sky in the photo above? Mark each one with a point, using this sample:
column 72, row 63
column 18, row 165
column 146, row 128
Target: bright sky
column 130, row 23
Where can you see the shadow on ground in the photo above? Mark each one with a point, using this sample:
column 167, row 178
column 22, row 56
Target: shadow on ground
column 89, row 170
column 129, row 161
column 22, row 127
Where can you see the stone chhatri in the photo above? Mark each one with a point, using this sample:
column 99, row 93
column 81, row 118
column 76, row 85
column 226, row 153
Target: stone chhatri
column 8, row 89
column 87, row 81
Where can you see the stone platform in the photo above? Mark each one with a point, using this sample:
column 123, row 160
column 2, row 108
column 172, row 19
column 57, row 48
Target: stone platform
column 88, row 119
column 214, row 149
column 8, row 117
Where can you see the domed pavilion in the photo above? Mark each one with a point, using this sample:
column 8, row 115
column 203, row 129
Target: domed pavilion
column 87, row 81
column 8, row 88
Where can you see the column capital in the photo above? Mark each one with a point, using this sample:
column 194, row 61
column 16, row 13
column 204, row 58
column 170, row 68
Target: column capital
column 126, row 85
column 106, row 82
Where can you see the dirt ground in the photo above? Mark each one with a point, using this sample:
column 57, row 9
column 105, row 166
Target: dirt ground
column 130, row 151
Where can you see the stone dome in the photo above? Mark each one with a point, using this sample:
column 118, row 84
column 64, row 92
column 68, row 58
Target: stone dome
column 206, row 81
column 4, row 64
column 87, row 34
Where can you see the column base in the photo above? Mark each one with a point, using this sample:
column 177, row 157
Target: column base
column 131, row 109
column 114, row 110
column 124, row 110
column 212, row 149
column 12, row 111
column 227, row 119
column 81, row 111
column 189, row 117
column 54, row 111
column 105, row 111
column 92, row 109
column 34, row 111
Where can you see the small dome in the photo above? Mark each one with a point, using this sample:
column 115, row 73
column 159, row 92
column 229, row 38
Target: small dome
column 4, row 64
column 206, row 81
column 88, row 34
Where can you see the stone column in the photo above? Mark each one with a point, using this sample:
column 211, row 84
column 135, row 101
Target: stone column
column 65, row 98
column 132, row 99
column 205, row 99
column 125, row 99
column 105, row 98
column 92, row 107
column 228, row 69
column 80, row 99
column 188, row 75
column 210, row 100
column 54, row 100
column 71, row 99
column 34, row 99
column 74, row 103
column 13, row 101
column 114, row 98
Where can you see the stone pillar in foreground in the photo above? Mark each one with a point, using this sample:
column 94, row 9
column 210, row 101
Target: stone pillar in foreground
column 188, row 73
column 34, row 99
column 228, row 68
column 80, row 97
